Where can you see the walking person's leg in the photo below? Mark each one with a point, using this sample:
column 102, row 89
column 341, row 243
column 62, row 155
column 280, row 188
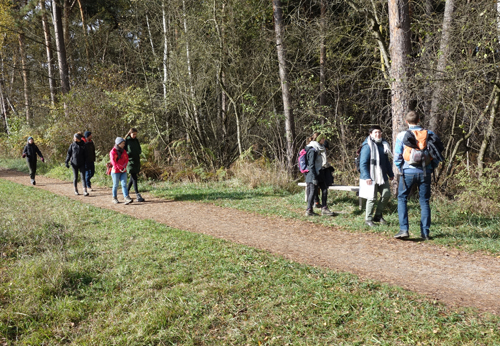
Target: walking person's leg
column 32, row 168
column 75, row 178
column 311, row 192
column 385, row 196
column 84, row 180
column 424, row 188
column 324, row 199
column 405, row 184
column 123, row 180
column 116, row 180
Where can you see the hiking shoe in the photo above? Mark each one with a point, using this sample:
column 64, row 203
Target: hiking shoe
column 85, row 193
column 139, row 198
column 326, row 211
column 128, row 200
column 369, row 223
column 318, row 205
column 115, row 200
column 76, row 192
column 309, row 212
column 380, row 220
column 402, row 235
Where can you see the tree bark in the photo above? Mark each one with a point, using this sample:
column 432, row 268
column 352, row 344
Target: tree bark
column 287, row 106
column 3, row 108
column 48, row 49
column 165, row 65
column 25, row 74
column 436, row 118
column 399, row 26
column 61, row 49
column 190, row 75
column 322, row 58
column 85, row 33
column 489, row 132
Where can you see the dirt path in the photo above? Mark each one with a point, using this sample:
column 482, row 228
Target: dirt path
column 453, row 277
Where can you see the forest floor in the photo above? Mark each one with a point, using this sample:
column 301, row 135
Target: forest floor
column 454, row 277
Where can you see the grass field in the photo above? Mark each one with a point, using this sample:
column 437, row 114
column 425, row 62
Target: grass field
column 75, row 274
column 451, row 225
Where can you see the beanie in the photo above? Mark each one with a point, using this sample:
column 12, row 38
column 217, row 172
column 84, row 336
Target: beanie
column 87, row 134
column 119, row 140
column 77, row 136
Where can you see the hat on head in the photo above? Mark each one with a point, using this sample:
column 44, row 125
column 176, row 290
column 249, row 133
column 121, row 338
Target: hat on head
column 119, row 140
column 87, row 134
column 29, row 138
column 77, row 136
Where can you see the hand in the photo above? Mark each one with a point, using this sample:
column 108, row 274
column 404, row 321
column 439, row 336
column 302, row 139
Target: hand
column 24, row 155
column 369, row 181
column 67, row 165
column 43, row 160
column 315, row 182
column 391, row 178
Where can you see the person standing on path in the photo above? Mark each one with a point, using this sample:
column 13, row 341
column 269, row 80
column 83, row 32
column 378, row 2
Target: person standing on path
column 30, row 152
column 317, row 175
column 419, row 175
column 133, row 148
column 119, row 160
column 376, row 169
column 76, row 156
column 89, row 159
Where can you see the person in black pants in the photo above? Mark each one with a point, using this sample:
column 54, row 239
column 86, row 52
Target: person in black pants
column 29, row 152
column 76, row 156
column 133, row 148
column 89, row 159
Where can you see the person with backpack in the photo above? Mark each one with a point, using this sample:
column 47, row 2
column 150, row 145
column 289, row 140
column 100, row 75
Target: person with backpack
column 30, row 152
column 417, row 152
column 76, row 156
column 119, row 161
column 376, row 169
column 89, row 158
column 318, row 175
column 133, row 148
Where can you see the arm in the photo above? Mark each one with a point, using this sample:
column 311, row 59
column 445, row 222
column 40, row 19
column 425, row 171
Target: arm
column 39, row 153
column 311, row 159
column 25, row 151
column 398, row 151
column 68, row 156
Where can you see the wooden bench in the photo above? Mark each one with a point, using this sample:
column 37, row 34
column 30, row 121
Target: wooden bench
column 340, row 188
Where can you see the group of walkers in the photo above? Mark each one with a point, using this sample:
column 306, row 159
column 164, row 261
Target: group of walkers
column 417, row 153
column 124, row 158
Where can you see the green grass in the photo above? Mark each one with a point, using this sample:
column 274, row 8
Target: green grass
column 451, row 225
column 71, row 273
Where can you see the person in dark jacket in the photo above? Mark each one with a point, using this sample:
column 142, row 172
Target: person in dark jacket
column 376, row 169
column 89, row 159
column 30, row 152
column 76, row 156
column 133, row 148
column 317, row 175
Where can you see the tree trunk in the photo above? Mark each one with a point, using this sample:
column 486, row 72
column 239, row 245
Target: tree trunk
column 489, row 132
column 61, row 49
column 25, row 74
column 3, row 108
column 165, row 64
column 48, row 49
column 66, row 33
column 399, row 27
column 322, row 58
column 287, row 107
column 190, row 75
column 444, row 52
column 85, row 34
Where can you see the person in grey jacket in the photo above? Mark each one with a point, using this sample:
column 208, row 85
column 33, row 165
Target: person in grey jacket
column 376, row 169
column 316, row 177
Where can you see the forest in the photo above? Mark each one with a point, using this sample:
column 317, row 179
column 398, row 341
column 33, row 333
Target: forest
column 208, row 83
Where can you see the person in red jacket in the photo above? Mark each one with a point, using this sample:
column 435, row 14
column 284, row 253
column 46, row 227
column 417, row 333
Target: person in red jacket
column 119, row 161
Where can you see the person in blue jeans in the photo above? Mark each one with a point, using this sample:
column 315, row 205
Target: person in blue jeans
column 413, row 174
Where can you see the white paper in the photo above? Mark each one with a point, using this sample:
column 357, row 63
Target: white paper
column 366, row 191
